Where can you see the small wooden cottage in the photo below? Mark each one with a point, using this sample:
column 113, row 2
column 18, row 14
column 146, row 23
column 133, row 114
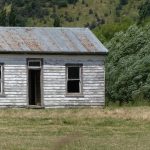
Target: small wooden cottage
column 51, row 67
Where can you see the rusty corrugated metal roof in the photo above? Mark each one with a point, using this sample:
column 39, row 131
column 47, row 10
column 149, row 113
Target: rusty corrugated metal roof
column 49, row 40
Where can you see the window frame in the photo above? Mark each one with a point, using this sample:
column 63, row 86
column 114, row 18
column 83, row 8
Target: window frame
column 80, row 93
column 2, row 79
column 34, row 60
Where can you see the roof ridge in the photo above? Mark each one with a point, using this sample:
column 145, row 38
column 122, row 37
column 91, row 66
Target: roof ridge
column 45, row 27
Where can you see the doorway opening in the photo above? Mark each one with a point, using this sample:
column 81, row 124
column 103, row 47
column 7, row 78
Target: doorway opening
column 35, row 87
column 34, row 81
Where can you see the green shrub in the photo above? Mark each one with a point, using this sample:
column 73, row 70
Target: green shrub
column 128, row 65
column 107, row 31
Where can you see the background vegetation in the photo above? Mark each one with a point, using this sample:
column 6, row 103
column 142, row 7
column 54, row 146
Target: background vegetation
column 128, row 62
column 104, row 17
column 89, row 13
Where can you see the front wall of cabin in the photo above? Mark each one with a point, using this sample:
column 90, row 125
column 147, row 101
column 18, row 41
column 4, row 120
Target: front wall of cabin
column 53, row 80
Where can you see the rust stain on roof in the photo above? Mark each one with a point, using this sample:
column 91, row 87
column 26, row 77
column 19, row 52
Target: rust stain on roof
column 86, row 43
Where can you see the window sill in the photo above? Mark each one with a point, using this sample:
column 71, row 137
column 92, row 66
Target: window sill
column 75, row 95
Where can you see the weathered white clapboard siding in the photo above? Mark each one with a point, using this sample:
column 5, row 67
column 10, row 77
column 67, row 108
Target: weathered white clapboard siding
column 15, row 81
column 54, row 80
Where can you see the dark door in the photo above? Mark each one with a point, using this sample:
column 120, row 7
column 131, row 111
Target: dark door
column 34, row 87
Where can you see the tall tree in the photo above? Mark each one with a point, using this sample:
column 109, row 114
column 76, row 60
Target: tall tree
column 12, row 16
column 123, row 2
column 3, row 17
column 57, row 22
column 144, row 10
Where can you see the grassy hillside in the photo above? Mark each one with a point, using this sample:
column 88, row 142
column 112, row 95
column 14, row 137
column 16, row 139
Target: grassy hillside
column 75, row 129
column 104, row 17
column 101, row 9
column 83, row 13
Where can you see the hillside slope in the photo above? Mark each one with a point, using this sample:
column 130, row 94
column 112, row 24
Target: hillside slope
column 90, row 13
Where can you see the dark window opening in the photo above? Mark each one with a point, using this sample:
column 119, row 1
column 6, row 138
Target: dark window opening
column 73, row 72
column 33, row 63
column 74, row 79
column 73, row 87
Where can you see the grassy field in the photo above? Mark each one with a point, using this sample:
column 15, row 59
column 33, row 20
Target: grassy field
column 75, row 129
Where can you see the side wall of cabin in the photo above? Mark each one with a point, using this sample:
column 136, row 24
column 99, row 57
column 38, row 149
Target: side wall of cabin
column 53, row 80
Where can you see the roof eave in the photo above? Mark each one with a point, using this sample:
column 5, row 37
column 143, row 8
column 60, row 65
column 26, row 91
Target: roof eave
column 53, row 53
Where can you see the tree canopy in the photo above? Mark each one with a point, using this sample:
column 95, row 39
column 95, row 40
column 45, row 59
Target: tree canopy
column 144, row 10
column 128, row 65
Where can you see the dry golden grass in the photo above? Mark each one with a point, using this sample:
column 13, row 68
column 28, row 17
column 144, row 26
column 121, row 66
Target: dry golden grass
column 75, row 129
column 135, row 113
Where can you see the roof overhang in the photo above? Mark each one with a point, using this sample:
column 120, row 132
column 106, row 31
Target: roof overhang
column 53, row 53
